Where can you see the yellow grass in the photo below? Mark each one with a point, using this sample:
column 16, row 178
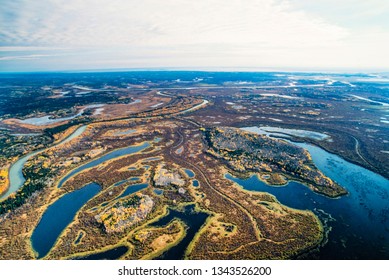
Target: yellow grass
column 4, row 181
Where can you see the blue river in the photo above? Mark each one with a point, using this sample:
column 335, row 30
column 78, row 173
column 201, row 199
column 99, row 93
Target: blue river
column 357, row 224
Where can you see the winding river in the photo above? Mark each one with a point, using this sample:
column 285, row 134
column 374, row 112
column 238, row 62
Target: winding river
column 195, row 107
column 16, row 178
column 358, row 223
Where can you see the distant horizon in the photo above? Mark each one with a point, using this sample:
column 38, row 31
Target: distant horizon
column 208, row 69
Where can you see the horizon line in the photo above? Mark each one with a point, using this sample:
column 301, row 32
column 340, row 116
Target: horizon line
column 327, row 70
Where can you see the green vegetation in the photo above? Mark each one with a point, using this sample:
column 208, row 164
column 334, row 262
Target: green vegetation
column 133, row 201
column 36, row 179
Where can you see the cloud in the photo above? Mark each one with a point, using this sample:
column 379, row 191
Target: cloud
column 25, row 57
column 28, row 48
column 169, row 22
column 189, row 33
column 346, row 9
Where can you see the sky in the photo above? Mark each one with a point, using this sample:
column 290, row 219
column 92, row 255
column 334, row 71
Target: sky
column 56, row 35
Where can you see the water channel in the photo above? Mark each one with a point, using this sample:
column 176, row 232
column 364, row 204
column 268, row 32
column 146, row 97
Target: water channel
column 111, row 155
column 358, row 222
column 16, row 177
column 111, row 254
column 193, row 220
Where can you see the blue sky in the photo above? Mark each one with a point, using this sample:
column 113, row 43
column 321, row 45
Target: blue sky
column 47, row 35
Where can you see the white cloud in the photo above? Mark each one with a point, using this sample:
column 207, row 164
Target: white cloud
column 28, row 48
column 345, row 9
column 25, row 57
column 168, row 22
column 189, row 33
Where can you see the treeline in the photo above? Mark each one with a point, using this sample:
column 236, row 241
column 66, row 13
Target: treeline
column 16, row 200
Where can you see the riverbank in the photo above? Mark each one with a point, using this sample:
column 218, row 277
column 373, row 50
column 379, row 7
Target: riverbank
column 358, row 222
column 4, row 180
column 15, row 174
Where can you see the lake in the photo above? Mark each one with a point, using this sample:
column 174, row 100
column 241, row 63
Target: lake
column 58, row 216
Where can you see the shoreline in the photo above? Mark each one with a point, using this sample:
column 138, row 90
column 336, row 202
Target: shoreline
column 32, row 153
column 58, row 181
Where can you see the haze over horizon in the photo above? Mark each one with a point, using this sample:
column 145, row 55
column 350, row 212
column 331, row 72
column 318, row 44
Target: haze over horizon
column 57, row 35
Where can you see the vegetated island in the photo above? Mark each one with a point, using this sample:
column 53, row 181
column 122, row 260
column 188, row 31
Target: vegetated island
column 245, row 151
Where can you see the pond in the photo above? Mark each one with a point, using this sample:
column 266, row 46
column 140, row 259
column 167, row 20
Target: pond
column 79, row 237
column 158, row 191
column 189, row 173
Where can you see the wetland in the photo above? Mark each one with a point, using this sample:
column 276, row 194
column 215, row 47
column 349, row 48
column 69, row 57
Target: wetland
column 193, row 165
